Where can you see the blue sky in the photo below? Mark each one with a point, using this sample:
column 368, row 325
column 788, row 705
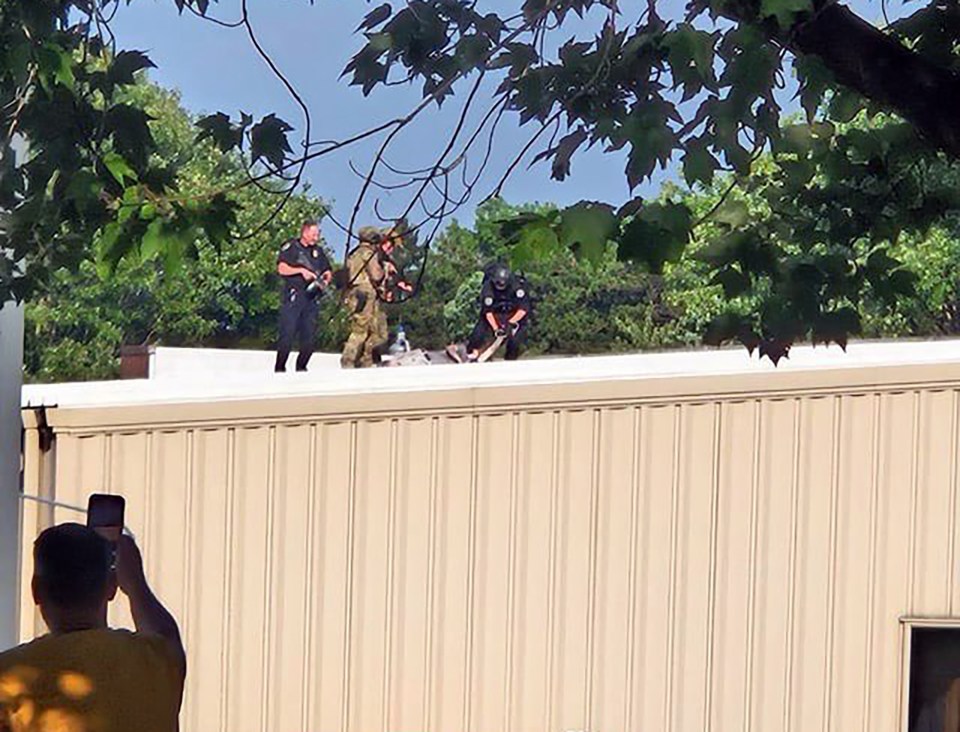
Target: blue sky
column 216, row 69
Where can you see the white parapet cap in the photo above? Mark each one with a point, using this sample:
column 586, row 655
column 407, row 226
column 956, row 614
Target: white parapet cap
column 211, row 382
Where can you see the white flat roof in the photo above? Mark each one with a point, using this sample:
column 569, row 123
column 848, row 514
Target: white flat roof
column 186, row 363
column 215, row 384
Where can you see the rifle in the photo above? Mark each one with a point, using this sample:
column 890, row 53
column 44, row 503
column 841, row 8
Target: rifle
column 317, row 288
column 393, row 276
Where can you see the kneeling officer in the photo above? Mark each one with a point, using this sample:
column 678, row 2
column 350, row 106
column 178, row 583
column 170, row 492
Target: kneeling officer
column 504, row 310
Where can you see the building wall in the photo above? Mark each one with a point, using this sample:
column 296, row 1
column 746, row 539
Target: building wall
column 730, row 553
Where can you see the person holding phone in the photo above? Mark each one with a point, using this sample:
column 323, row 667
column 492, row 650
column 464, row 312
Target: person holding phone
column 84, row 675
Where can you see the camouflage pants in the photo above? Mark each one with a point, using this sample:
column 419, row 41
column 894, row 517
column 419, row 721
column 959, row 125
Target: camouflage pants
column 368, row 330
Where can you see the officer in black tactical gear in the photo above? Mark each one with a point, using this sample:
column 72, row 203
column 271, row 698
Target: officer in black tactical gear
column 305, row 270
column 504, row 310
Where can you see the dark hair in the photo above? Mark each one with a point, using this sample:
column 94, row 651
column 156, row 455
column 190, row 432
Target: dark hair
column 308, row 223
column 73, row 565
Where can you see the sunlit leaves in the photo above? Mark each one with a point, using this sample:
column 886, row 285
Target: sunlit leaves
column 119, row 168
column 586, row 227
column 532, row 236
column 92, row 177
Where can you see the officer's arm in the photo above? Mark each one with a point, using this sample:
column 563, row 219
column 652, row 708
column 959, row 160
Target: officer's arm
column 375, row 270
column 521, row 305
column 288, row 270
column 519, row 314
column 486, row 306
column 324, row 268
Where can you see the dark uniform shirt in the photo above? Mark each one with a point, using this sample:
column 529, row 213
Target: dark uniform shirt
column 296, row 254
column 505, row 301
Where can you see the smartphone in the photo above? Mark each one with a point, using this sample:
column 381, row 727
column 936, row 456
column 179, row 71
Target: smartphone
column 105, row 515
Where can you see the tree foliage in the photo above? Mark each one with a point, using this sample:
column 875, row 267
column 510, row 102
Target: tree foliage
column 222, row 296
column 701, row 88
column 653, row 84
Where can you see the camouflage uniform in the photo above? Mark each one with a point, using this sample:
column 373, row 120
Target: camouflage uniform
column 368, row 322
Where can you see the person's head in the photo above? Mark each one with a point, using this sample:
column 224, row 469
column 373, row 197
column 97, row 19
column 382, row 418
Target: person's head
column 370, row 235
column 500, row 277
column 73, row 581
column 309, row 233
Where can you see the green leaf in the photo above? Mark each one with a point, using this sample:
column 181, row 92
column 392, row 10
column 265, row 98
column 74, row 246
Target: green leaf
column 175, row 251
column 375, row 17
column 217, row 127
column 651, row 140
column 84, row 188
column 169, row 240
column 815, row 78
column 110, row 246
column 845, row 105
column 366, row 68
column 562, row 153
column 752, row 64
column 153, row 240
column 836, row 327
column 880, row 262
column 535, row 243
column 471, row 50
column 126, row 64
column 691, row 55
column 658, row 234
column 785, row 11
column 733, row 213
column 268, row 140
column 18, row 61
column 218, row 218
column 699, row 164
column 119, row 168
column 723, row 328
column 56, row 64
column 902, row 283
column 131, row 134
column 733, row 281
column 587, row 227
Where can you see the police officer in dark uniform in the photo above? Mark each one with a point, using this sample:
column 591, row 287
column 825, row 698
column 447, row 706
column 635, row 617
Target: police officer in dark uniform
column 305, row 270
column 504, row 310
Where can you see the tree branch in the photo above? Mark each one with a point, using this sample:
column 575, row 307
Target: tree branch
column 885, row 71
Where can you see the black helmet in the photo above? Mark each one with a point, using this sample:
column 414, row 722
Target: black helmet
column 500, row 277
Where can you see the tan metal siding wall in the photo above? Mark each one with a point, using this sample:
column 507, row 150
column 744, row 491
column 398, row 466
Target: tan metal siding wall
column 714, row 565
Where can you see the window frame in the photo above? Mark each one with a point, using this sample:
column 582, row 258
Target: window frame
column 908, row 624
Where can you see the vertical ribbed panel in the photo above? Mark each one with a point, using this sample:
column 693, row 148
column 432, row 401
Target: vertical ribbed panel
column 720, row 565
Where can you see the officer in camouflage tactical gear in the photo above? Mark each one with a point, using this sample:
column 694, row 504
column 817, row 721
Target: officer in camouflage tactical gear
column 369, row 271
